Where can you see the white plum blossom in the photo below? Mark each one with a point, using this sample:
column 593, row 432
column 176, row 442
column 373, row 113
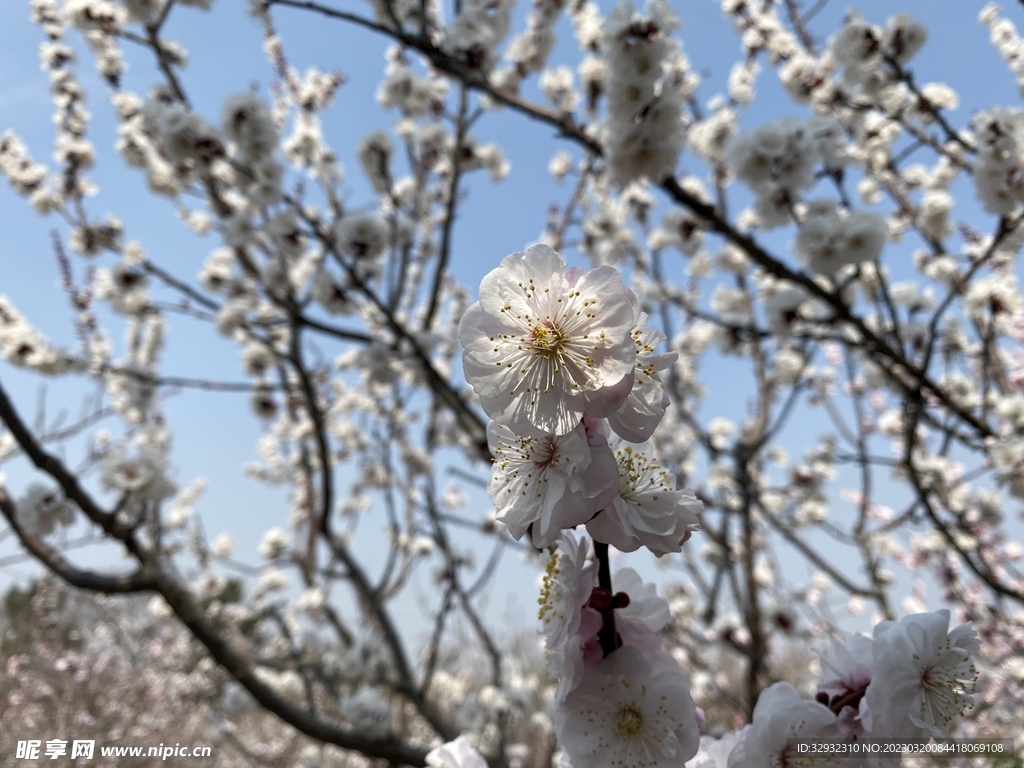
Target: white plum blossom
column 23, row 346
column 862, row 236
column 274, row 543
column 42, row 510
column 140, row 476
column 375, row 156
column 222, row 545
column 560, row 165
column 644, row 408
column 331, row 295
column 781, row 714
column 846, row 670
column 557, row 86
column 567, row 585
column 997, row 171
column 777, row 154
column 550, row 482
column 631, row 709
column 644, row 131
column 923, row 676
column 994, row 299
column 271, row 580
column 827, row 242
column 159, row 609
column 311, row 600
column 247, row 121
column 566, row 624
column 649, row 511
column 362, row 235
column 545, row 344
column 903, row 37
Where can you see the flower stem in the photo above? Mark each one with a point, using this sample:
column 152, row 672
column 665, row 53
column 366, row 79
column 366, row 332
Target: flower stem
column 849, row 699
column 607, row 635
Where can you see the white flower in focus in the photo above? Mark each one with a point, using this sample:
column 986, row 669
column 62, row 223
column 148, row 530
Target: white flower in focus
column 649, row 511
column 645, row 406
column 631, row 709
column 456, row 754
column 567, row 627
column 567, row 585
column 545, row 344
column 782, row 714
column 550, row 482
column 923, row 677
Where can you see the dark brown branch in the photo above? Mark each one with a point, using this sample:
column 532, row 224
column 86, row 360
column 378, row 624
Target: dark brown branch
column 106, row 583
column 224, row 646
column 451, row 203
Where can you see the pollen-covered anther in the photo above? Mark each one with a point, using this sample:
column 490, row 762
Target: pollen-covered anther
column 548, row 341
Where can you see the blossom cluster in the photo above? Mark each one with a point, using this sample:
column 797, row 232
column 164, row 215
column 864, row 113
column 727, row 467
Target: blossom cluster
column 779, row 161
column 912, row 679
column 612, row 708
column 564, row 363
column 646, row 84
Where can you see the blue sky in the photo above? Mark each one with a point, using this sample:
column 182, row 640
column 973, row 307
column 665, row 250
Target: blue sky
column 214, row 434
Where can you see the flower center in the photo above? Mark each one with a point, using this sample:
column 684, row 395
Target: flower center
column 628, row 722
column 547, row 453
column 552, row 591
column 547, row 341
column 945, row 688
column 639, row 475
